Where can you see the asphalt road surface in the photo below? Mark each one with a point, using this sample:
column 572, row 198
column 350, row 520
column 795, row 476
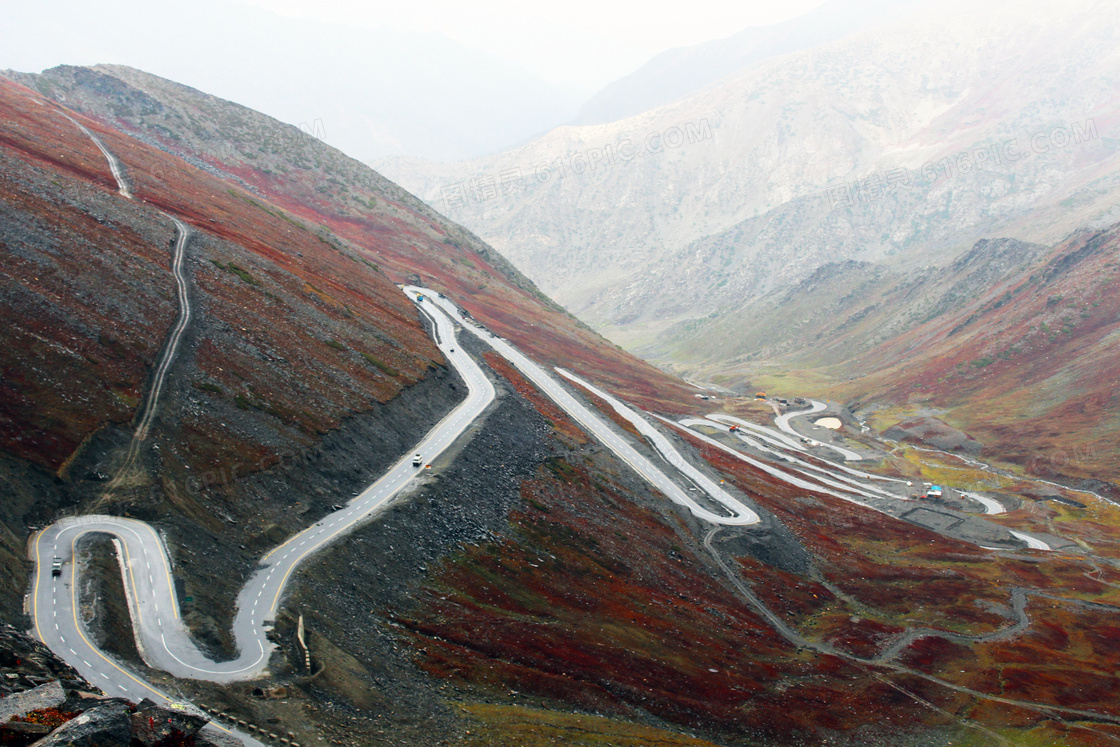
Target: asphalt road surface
column 991, row 507
column 737, row 509
column 828, row 479
column 737, row 514
column 782, row 421
column 825, row 475
column 160, row 634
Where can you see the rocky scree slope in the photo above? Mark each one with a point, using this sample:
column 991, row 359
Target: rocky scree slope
column 45, row 703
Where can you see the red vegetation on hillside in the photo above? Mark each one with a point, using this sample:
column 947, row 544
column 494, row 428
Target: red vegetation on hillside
column 297, row 176
column 595, row 602
column 1025, row 367
column 262, row 283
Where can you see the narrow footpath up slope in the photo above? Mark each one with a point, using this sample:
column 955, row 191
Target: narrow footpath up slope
column 363, row 211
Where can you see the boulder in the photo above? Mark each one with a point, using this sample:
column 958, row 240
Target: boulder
column 26, row 663
column 107, row 725
column 49, row 695
column 22, row 733
column 152, row 723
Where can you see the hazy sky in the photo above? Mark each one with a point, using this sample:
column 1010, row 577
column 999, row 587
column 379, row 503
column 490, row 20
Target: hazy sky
column 579, row 45
column 574, row 43
column 439, row 79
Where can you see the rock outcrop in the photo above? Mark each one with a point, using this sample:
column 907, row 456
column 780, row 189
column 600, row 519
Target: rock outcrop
column 44, row 702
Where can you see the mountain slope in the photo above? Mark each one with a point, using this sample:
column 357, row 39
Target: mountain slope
column 845, row 309
column 304, row 372
column 698, row 207
column 373, row 216
column 1023, row 364
column 678, row 73
column 529, row 578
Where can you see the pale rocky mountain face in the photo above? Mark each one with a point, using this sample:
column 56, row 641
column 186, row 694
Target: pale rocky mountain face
column 901, row 147
column 678, row 73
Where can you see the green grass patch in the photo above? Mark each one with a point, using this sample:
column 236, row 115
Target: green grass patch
column 274, row 213
column 384, row 368
column 238, row 271
column 521, row 726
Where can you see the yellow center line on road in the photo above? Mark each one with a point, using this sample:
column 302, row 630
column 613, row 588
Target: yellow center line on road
column 81, row 632
column 35, row 585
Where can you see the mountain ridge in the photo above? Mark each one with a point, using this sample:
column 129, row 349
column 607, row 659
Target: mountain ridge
column 814, row 157
column 678, row 73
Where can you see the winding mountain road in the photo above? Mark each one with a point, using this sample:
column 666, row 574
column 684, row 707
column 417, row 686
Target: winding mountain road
column 841, row 481
column 737, row 514
column 805, row 475
column 991, row 507
column 769, row 435
column 743, row 513
column 171, row 346
column 98, row 666
column 805, row 482
column 165, row 643
column 114, row 164
column 174, row 337
column 782, row 421
column 162, row 638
